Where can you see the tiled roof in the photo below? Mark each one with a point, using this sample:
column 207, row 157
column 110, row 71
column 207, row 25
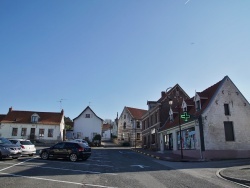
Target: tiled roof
column 106, row 127
column 206, row 97
column 84, row 111
column 136, row 113
column 2, row 116
column 50, row 118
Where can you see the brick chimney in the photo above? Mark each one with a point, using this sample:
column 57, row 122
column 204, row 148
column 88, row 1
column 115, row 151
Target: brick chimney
column 10, row 109
column 163, row 93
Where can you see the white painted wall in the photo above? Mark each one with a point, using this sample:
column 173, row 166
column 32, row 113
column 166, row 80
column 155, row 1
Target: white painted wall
column 213, row 120
column 6, row 130
column 87, row 126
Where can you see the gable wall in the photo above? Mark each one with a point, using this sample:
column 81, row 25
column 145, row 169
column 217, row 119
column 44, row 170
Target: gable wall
column 214, row 117
column 87, row 126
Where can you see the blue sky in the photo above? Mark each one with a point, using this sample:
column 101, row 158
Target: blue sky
column 116, row 53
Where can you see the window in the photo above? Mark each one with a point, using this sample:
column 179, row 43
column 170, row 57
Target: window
column 50, row 133
column 138, row 136
column 197, row 105
column 14, row 131
column 87, row 115
column 124, row 125
column 229, row 130
column 171, row 116
column 138, row 126
column 226, row 109
column 124, row 117
column 79, row 135
column 23, row 132
column 34, row 118
column 41, row 132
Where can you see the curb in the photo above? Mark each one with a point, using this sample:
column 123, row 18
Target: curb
column 240, row 182
column 169, row 159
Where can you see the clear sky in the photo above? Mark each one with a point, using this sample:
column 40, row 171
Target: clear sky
column 116, row 53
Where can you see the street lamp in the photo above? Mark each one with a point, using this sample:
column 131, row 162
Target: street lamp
column 179, row 115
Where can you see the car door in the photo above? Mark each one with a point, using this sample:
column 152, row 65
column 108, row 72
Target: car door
column 57, row 150
column 69, row 148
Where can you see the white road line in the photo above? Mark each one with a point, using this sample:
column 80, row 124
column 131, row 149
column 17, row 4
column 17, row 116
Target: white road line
column 59, row 181
column 15, row 164
column 53, row 168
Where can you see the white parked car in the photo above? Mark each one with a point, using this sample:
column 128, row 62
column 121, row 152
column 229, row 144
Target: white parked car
column 28, row 148
column 81, row 141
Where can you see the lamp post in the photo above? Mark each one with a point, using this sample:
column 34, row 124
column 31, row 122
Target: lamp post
column 179, row 122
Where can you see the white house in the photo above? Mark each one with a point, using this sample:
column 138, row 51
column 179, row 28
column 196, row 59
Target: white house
column 215, row 123
column 87, row 125
column 42, row 126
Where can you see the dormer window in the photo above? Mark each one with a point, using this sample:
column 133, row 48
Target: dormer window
column 171, row 115
column 184, row 106
column 197, row 105
column 34, row 118
column 197, row 101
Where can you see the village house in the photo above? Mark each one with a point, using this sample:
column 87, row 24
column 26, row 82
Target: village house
column 215, row 123
column 87, row 125
column 130, row 126
column 45, row 127
column 157, row 115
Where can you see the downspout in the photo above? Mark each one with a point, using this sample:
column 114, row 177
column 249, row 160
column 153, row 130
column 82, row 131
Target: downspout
column 202, row 145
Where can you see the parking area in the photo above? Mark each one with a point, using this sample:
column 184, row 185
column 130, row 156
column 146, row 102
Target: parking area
column 33, row 171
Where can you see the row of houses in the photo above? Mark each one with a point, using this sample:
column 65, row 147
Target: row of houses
column 214, row 123
column 49, row 127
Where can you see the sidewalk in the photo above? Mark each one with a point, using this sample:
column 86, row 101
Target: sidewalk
column 237, row 174
column 166, row 155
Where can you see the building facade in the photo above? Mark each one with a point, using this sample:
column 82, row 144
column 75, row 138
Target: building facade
column 36, row 126
column 87, row 125
column 130, row 126
column 214, row 124
column 157, row 115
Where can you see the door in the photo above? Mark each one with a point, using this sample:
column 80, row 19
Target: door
column 32, row 134
column 170, row 141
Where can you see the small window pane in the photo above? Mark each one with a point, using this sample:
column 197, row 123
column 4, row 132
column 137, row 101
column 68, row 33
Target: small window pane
column 226, row 109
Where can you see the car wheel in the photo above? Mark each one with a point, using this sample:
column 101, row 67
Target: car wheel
column 45, row 155
column 73, row 157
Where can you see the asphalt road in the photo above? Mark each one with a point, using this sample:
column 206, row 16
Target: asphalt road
column 107, row 168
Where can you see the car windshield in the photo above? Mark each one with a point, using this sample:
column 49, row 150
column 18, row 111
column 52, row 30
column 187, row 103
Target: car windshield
column 4, row 141
column 26, row 142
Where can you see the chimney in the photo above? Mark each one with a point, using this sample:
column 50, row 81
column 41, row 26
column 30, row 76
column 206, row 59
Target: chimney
column 10, row 109
column 62, row 112
column 163, row 93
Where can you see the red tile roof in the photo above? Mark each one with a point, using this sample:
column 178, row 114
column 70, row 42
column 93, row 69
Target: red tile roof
column 136, row 113
column 206, row 97
column 2, row 116
column 106, row 127
column 50, row 118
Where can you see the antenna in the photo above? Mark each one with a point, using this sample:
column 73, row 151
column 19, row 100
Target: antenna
column 61, row 100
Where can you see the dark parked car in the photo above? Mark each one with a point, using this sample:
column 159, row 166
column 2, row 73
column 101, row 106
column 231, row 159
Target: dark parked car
column 9, row 150
column 71, row 150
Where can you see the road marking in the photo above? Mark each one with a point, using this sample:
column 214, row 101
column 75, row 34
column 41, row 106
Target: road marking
column 141, row 166
column 59, row 181
column 54, row 168
column 16, row 164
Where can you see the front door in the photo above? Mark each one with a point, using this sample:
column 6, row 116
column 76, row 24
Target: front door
column 170, row 141
column 32, row 134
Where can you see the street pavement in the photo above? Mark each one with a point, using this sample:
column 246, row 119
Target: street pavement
column 237, row 174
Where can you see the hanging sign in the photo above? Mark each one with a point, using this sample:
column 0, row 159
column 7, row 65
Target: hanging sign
column 185, row 116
